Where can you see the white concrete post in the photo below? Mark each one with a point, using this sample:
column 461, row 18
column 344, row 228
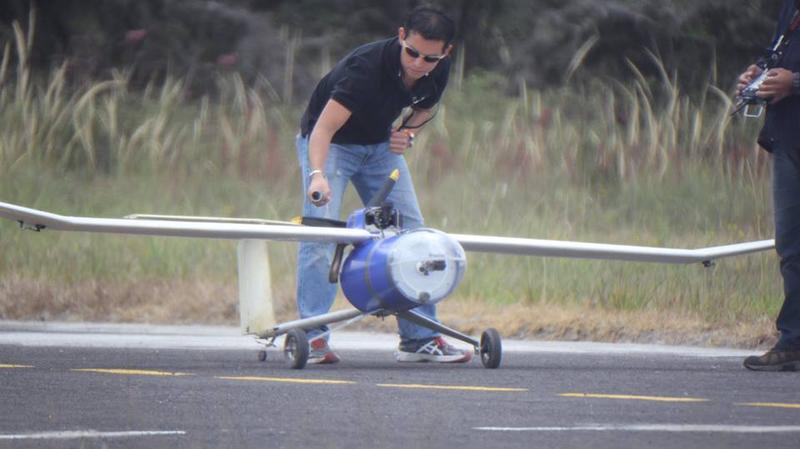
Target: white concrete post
column 256, row 314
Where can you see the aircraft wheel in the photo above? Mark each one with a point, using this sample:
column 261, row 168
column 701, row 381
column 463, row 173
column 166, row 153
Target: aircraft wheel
column 295, row 348
column 262, row 356
column 491, row 348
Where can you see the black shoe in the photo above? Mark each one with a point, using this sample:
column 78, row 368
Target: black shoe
column 775, row 360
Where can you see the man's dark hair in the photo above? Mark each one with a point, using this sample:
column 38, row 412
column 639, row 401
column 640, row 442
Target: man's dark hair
column 430, row 23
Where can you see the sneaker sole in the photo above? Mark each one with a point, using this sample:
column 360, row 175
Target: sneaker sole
column 327, row 359
column 411, row 357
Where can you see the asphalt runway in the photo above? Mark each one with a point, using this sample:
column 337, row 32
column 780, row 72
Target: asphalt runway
column 187, row 387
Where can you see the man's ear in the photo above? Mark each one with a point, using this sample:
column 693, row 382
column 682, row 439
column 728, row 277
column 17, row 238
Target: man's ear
column 401, row 33
column 450, row 49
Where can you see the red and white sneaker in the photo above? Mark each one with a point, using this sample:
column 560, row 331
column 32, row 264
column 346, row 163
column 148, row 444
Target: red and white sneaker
column 321, row 353
column 431, row 350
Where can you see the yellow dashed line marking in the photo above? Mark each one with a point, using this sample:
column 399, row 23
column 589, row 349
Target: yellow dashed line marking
column 288, row 380
column 453, row 387
column 5, row 366
column 131, row 372
column 631, row 397
column 769, row 404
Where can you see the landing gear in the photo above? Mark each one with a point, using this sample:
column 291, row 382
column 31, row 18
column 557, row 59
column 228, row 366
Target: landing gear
column 491, row 350
column 295, row 348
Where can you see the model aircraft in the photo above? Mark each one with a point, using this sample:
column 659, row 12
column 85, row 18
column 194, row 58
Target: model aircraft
column 388, row 271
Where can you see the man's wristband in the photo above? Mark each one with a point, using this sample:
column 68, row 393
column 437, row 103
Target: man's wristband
column 795, row 83
column 316, row 171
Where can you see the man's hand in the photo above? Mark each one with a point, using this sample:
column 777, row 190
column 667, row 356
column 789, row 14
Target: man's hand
column 401, row 140
column 319, row 185
column 748, row 76
column 777, row 86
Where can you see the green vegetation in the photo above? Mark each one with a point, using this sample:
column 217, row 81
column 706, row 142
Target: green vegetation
column 637, row 163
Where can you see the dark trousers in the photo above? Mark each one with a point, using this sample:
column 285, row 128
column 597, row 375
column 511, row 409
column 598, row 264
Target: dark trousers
column 786, row 198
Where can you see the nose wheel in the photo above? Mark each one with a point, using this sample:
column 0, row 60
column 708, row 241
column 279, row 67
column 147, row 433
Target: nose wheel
column 295, row 349
column 491, row 350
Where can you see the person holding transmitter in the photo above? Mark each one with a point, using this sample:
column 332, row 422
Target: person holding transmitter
column 780, row 136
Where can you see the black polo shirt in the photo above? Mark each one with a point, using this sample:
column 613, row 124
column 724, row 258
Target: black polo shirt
column 368, row 82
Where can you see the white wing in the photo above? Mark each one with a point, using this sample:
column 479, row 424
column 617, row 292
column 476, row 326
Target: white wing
column 253, row 229
column 37, row 220
column 580, row 250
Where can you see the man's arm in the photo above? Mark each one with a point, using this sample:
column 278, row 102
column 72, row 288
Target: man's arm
column 403, row 138
column 334, row 115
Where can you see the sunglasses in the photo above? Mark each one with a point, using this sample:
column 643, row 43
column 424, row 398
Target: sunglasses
column 414, row 54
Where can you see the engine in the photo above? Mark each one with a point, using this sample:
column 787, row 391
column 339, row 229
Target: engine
column 403, row 271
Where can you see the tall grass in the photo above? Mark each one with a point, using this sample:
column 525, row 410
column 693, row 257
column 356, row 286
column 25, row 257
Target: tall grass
column 640, row 162
column 103, row 128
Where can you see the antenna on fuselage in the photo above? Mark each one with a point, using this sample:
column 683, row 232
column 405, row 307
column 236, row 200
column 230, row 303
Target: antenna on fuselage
column 378, row 199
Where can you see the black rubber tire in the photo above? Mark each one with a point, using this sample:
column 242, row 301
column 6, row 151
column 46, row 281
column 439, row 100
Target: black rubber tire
column 262, row 356
column 491, row 349
column 295, row 348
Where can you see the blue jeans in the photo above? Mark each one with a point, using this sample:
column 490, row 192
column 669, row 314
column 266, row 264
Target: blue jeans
column 786, row 198
column 367, row 167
